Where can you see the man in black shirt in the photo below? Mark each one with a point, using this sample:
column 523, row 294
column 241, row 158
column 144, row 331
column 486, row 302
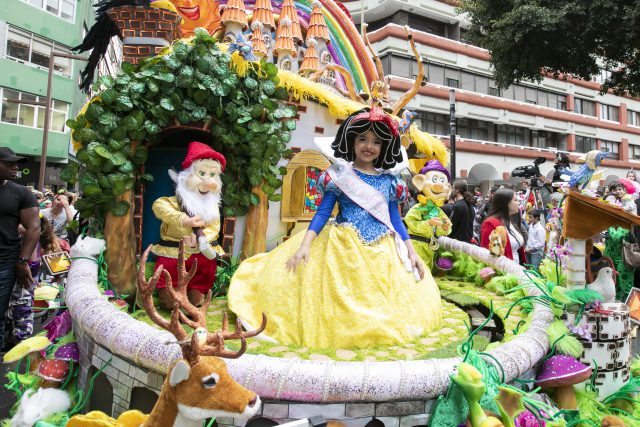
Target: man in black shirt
column 17, row 206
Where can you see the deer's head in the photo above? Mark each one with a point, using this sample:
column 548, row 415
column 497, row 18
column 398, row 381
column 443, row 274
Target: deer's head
column 198, row 386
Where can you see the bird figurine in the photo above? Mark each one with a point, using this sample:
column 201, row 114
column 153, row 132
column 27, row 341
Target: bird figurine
column 581, row 177
column 243, row 47
column 405, row 124
column 407, row 119
column 605, row 284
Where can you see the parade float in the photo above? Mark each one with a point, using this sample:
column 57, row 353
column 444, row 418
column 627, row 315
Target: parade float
column 261, row 85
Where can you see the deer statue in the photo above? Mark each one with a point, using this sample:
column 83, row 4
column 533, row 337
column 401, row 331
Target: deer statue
column 197, row 386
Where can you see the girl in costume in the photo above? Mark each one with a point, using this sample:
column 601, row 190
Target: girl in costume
column 357, row 282
column 504, row 204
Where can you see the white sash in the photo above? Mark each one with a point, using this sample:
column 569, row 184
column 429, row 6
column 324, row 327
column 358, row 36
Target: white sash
column 369, row 199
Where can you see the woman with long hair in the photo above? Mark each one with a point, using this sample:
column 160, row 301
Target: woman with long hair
column 504, row 204
column 463, row 213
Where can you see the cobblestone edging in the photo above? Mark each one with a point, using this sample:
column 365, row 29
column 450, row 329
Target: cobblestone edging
column 102, row 326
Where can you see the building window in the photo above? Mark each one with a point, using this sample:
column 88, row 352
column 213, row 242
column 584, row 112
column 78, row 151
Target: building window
column 65, row 9
column 611, row 147
column 634, row 152
column 433, row 123
column 513, row 135
column 474, row 129
column 582, row 106
column 584, row 144
column 493, row 88
column 609, row 112
column 452, row 83
column 633, row 118
column 30, row 48
column 549, row 140
column 32, row 115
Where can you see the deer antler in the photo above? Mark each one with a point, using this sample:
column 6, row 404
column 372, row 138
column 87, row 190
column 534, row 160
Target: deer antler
column 348, row 79
column 146, row 289
column 408, row 96
column 202, row 342
column 215, row 341
column 374, row 54
column 179, row 293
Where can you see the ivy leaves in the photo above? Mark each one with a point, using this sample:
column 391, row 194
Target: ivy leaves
column 192, row 82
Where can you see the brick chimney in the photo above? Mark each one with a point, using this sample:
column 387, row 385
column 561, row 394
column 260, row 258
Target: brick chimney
column 145, row 30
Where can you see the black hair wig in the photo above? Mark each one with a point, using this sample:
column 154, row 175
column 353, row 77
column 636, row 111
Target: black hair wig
column 390, row 153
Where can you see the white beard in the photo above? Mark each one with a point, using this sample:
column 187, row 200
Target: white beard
column 207, row 207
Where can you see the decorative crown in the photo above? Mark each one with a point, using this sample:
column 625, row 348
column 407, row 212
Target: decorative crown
column 376, row 114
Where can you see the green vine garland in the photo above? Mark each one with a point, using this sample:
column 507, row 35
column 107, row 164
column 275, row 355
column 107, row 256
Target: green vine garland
column 192, row 82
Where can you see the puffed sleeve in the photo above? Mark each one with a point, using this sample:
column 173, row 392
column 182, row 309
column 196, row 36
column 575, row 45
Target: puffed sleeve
column 326, row 184
column 398, row 190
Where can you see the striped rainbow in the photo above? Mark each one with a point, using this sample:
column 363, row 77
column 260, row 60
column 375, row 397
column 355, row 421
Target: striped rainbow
column 346, row 47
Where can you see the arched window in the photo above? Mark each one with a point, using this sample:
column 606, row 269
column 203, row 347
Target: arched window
column 286, row 64
column 326, row 58
column 267, row 40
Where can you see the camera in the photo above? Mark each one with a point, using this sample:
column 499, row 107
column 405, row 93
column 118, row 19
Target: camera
column 531, row 171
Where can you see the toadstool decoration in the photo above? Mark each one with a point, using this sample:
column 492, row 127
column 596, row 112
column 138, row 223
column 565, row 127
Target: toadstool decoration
column 561, row 372
column 53, row 370
column 486, row 274
column 68, row 352
column 30, row 345
column 444, row 264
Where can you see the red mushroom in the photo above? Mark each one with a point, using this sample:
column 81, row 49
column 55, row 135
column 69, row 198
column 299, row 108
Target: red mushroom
column 561, row 372
column 53, row 370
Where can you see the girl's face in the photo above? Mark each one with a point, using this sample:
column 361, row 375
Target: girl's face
column 367, row 147
column 513, row 206
column 619, row 192
column 631, row 176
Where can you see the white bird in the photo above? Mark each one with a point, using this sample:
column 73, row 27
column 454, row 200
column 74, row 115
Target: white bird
column 604, row 284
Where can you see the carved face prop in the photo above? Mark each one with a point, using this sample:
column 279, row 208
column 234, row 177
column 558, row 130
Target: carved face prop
column 433, row 183
column 198, row 185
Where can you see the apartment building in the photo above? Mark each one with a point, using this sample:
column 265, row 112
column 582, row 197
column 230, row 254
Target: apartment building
column 29, row 31
column 497, row 130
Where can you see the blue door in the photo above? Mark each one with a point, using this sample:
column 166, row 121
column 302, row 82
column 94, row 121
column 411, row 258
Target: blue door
column 160, row 160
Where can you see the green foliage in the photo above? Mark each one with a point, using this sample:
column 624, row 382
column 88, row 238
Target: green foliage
column 191, row 83
column 563, row 340
column 225, row 271
column 575, row 37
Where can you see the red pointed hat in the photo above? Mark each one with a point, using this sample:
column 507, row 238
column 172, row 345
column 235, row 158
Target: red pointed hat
column 198, row 150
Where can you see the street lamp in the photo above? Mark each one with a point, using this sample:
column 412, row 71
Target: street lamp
column 452, row 131
column 47, row 114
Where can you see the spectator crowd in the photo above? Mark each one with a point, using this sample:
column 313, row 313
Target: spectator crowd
column 32, row 224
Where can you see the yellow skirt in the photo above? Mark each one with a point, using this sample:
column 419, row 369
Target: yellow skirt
column 349, row 295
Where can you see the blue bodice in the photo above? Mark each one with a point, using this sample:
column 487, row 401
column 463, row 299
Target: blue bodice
column 369, row 228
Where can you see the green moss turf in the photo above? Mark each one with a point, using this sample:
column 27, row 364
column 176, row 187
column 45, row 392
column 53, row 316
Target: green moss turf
column 441, row 343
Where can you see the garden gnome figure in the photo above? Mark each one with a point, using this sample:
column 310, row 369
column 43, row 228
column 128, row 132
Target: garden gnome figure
column 425, row 220
column 192, row 215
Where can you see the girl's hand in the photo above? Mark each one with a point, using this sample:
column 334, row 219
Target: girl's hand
column 301, row 255
column 416, row 263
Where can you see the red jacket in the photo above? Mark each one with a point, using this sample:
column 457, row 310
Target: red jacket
column 487, row 227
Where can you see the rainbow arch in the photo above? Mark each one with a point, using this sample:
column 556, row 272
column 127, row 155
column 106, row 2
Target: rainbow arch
column 346, row 46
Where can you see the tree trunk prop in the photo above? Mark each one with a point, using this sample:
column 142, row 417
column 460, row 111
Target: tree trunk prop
column 255, row 234
column 121, row 248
